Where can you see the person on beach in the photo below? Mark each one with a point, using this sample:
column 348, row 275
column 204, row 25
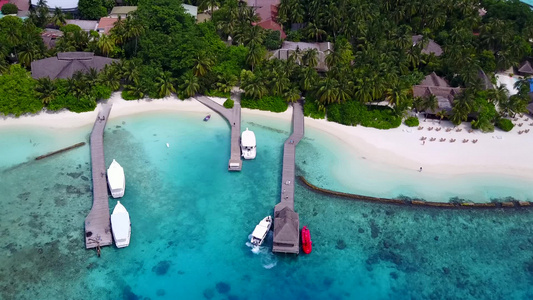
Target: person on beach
column 420, row 169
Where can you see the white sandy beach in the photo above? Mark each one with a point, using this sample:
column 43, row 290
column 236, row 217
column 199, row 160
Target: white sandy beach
column 506, row 153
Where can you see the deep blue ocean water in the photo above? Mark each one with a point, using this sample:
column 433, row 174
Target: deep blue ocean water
column 191, row 220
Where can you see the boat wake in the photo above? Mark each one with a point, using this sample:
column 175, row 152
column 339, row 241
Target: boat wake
column 268, row 259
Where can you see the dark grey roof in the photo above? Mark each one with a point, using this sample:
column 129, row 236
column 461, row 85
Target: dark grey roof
column 526, row 68
column 530, row 108
column 286, row 229
column 431, row 47
column 65, row 64
column 435, row 85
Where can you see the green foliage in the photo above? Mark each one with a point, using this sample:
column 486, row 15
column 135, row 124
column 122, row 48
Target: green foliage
column 172, row 40
column 487, row 61
column 216, row 93
column 100, row 92
column 272, row 40
column 311, row 109
column 354, row 113
column 232, row 61
column 504, row 124
column 92, row 9
column 412, row 121
column 268, row 103
column 17, row 92
column 70, row 28
column 127, row 95
column 294, row 36
column 228, row 103
column 9, row 8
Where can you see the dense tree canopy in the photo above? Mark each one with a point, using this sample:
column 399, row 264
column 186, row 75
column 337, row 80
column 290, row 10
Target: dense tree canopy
column 373, row 58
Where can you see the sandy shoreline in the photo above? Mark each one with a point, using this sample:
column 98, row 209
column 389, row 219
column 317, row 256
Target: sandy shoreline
column 505, row 153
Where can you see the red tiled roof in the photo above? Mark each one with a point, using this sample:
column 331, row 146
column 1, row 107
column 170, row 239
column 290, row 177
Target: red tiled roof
column 269, row 24
column 106, row 24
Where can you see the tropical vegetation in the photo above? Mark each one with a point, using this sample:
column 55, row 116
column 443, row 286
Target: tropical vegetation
column 369, row 72
column 412, row 121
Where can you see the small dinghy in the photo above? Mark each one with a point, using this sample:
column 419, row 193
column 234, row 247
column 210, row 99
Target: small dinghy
column 306, row 240
column 207, row 118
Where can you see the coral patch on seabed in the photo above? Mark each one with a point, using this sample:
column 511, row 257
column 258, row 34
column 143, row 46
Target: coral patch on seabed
column 223, row 287
column 161, row 268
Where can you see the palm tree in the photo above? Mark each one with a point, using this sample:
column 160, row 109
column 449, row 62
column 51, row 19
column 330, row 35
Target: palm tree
column 254, row 87
column 118, row 32
column 292, row 94
column 164, row 84
column 462, row 106
column 58, row 19
column 499, row 95
column 106, row 44
column 130, row 71
column 225, row 83
column 310, row 57
column 205, row 4
column 91, row 78
column 135, row 89
column 309, row 79
column 45, row 90
column 133, row 30
column 314, row 32
column 523, row 85
column 430, row 103
column 190, row 84
column 441, row 114
column 396, row 95
column 28, row 54
column 363, row 91
column 77, row 85
column 279, row 82
column 202, row 64
column 110, row 77
column 255, row 55
column 327, row 91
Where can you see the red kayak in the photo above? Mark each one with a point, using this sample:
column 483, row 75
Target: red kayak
column 307, row 244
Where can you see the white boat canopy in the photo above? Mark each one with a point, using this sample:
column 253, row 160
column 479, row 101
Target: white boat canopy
column 248, row 138
column 260, row 230
column 115, row 176
column 120, row 223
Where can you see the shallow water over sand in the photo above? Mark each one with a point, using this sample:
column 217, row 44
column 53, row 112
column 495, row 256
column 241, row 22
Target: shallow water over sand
column 191, row 220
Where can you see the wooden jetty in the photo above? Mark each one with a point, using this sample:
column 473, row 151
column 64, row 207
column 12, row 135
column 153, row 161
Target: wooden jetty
column 98, row 223
column 233, row 116
column 286, row 220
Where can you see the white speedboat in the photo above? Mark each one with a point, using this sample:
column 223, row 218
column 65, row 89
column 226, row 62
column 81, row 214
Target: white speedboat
column 261, row 230
column 116, row 179
column 121, row 226
column 248, row 146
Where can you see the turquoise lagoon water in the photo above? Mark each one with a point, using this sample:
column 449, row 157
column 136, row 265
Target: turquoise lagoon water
column 191, row 220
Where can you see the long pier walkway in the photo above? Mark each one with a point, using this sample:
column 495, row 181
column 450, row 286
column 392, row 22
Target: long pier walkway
column 286, row 220
column 98, row 223
column 233, row 116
